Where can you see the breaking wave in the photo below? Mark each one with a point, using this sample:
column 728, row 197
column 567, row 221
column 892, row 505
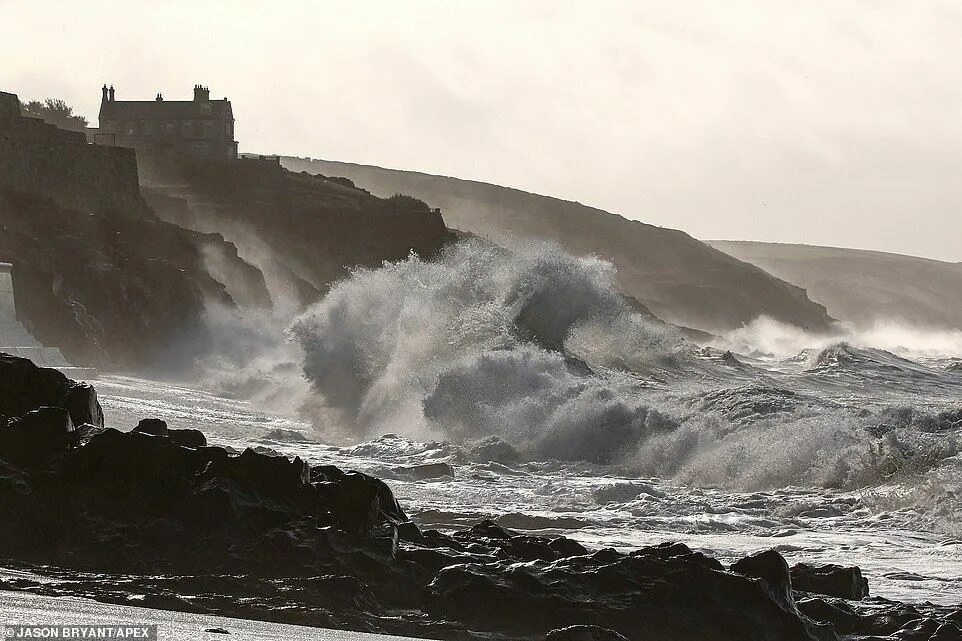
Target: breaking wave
column 538, row 348
column 485, row 342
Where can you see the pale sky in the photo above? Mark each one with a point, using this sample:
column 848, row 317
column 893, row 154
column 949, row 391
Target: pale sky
column 832, row 122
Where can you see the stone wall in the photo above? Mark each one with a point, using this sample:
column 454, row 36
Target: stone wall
column 39, row 157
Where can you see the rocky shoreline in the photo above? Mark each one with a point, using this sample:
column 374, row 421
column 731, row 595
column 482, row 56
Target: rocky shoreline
column 157, row 517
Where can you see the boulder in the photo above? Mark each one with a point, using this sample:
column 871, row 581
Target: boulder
column 358, row 502
column 654, row 593
column 25, row 387
column 772, row 569
column 877, row 618
column 188, row 438
column 831, row 580
column 84, row 407
column 36, row 437
column 183, row 438
column 425, row 472
column 274, row 475
column 490, row 530
column 152, row 426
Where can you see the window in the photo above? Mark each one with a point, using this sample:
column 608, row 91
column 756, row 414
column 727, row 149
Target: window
column 131, row 128
column 205, row 109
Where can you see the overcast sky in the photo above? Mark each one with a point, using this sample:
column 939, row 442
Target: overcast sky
column 836, row 123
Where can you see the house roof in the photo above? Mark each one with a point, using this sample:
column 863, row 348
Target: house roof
column 164, row 109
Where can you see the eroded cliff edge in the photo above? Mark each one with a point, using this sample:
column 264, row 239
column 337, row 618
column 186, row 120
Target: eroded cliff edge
column 99, row 274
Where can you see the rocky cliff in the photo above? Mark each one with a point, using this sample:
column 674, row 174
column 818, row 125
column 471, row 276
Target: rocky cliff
column 679, row 278
column 303, row 230
column 114, row 292
column 99, row 274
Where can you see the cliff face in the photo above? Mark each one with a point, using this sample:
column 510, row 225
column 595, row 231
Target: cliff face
column 679, row 278
column 96, row 273
column 303, row 230
column 100, row 275
column 110, row 292
column 864, row 287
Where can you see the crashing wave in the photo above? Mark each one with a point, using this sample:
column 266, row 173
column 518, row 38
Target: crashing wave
column 530, row 347
column 537, row 352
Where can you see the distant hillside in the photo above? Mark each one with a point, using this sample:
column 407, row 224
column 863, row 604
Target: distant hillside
column 864, row 286
column 680, row 279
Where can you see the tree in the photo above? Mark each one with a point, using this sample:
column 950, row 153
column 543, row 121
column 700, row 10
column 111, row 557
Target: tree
column 56, row 112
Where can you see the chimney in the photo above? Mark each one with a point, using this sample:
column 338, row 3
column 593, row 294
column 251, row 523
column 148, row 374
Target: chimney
column 201, row 93
column 111, row 93
column 160, row 97
column 104, row 98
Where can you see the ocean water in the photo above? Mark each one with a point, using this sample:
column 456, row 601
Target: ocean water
column 895, row 536
column 560, row 407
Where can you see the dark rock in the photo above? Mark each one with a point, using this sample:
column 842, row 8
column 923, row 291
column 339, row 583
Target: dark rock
column 831, row 580
column 152, row 426
column 567, row 547
column 490, row 530
column 426, row 471
column 188, row 438
column 584, row 633
column 36, row 436
column 196, row 528
column 326, row 473
column 359, row 503
column 25, row 387
column 770, row 567
column 84, row 407
column 947, row 631
column 667, row 550
column 873, row 617
column 917, row 630
column 409, row 531
column 836, row 613
column 663, row 594
column 275, row 474
column 217, row 631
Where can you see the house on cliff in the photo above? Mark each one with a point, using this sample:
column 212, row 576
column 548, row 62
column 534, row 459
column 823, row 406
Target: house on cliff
column 169, row 132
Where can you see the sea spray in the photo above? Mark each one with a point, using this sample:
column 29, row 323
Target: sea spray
column 538, row 348
column 485, row 342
